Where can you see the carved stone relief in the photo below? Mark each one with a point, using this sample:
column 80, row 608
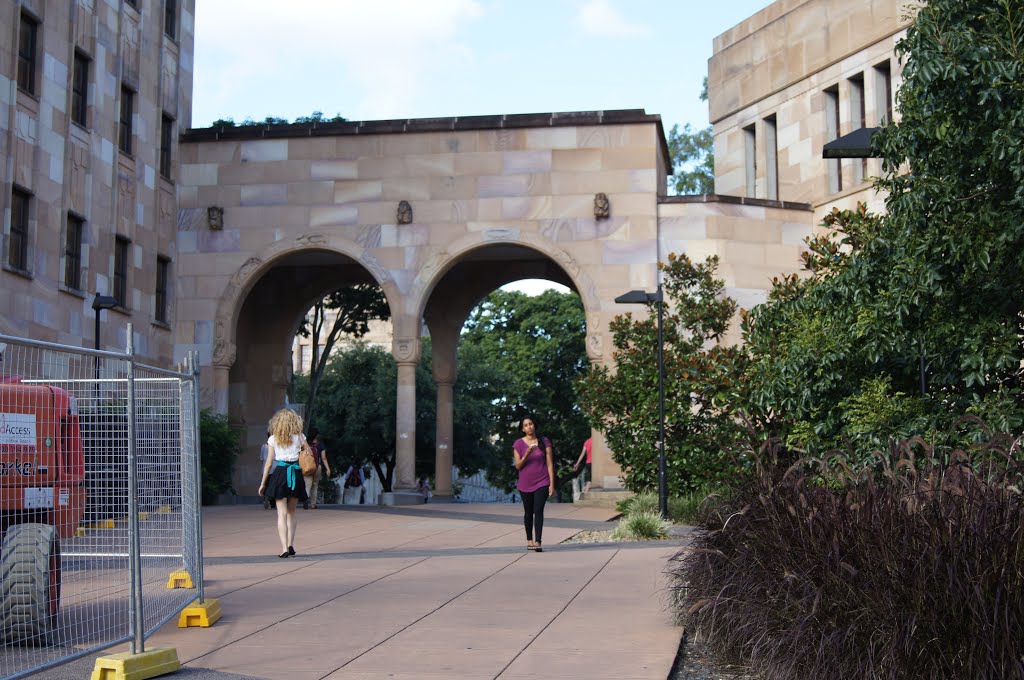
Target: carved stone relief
column 215, row 217
column 404, row 213
column 602, row 207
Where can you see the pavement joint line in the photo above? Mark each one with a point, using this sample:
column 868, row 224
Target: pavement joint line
column 431, row 612
column 480, row 517
column 309, row 609
column 557, row 614
column 449, row 552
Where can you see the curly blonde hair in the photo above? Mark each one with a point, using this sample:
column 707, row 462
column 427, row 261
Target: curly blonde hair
column 284, row 425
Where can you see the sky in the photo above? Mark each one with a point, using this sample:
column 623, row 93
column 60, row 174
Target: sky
column 384, row 59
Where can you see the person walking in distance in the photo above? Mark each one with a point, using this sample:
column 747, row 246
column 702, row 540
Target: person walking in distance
column 282, row 476
column 313, row 480
column 534, row 460
column 588, row 452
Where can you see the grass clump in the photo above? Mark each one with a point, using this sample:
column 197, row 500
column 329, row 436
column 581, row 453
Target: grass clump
column 645, row 501
column 641, row 526
column 910, row 566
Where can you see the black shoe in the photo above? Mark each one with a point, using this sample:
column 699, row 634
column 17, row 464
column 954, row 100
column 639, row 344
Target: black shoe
column 305, row 505
column 284, row 554
column 291, row 550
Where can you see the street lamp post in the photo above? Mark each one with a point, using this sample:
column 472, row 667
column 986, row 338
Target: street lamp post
column 641, row 297
column 99, row 303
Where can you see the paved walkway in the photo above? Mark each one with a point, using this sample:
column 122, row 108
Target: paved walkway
column 430, row 591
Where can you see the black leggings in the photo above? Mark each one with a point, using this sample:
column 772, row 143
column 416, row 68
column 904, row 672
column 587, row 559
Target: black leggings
column 533, row 511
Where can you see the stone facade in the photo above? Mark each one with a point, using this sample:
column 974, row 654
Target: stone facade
column 253, row 224
column 773, row 81
column 69, row 192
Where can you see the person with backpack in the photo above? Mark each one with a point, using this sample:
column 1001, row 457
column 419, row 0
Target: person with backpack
column 353, row 484
column 313, row 480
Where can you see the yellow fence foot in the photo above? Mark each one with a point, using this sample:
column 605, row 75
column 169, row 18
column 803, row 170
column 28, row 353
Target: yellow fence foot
column 164, row 509
column 179, row 579
column 80, row 532
column 102, row 524
column 202, row 615
column 128, row 666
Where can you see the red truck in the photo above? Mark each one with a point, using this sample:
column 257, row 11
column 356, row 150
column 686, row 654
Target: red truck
column 42, row 500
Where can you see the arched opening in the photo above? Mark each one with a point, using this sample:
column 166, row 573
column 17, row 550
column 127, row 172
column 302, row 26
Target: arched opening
column 267, row 319
column 468, row 281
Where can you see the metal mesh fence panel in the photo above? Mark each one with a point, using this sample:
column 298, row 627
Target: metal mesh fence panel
column 65, row 555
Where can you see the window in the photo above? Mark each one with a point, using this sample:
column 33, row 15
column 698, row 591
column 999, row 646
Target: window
column 858, row 119
column 27, row 31
column 171, row 18
column 771, row 166
column 132, row 3
column 73, row 253
column 166, row 138
column 750, row 159
column 163, row 268
column 835, row 168
column 80, row 90
column 124, row 132
column 17, row 245
column 883, row 93
column 121, row 270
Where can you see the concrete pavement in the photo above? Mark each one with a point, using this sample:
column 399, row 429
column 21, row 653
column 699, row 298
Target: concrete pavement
column 429, row 591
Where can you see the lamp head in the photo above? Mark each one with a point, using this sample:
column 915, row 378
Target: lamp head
column 104, row 302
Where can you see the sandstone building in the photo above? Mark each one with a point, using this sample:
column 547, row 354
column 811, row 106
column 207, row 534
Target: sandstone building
column 220, row 239
column 94, row 95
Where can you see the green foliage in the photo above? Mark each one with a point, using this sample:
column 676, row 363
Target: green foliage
column 353, row 308
column 220, row 444
column 641, row 526
column 700, row 375
column 645, row 501
column 693, row 157
column 534, row 345
column 315, row 117
column 936, row 283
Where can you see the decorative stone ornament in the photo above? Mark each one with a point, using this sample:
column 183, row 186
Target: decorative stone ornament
column 404, row 212
column 602, row 208
column 215, row 217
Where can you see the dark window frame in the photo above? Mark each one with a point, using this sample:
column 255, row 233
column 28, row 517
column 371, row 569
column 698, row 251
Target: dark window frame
column 166, row 144
column 120, row 281
column 80, row 89
column 75, row 229
column 171, row 19
column 28, row 32
column 125, row 127
column 161, row 290
column 17, row 242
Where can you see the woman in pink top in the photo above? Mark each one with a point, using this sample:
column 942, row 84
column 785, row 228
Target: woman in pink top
column 535, row 462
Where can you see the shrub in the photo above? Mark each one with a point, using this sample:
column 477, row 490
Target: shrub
column 692, row 508
column 641, row 526
column 908, row 568
column 645, row 501
column 220, row 445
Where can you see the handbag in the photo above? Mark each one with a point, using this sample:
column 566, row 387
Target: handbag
column 307, row 461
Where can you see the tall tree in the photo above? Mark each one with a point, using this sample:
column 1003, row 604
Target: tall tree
column 352, row 308
column 693, row 157
column 916, row 318
column 699, row 373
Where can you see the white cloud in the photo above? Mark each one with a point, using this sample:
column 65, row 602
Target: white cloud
column 368, row 58
column 598, row 17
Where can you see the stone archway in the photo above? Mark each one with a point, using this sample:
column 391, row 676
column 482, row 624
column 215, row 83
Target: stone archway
column 256, row 322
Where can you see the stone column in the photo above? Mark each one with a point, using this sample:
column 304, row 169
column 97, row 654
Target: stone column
column 406, row 352
column 445, row 436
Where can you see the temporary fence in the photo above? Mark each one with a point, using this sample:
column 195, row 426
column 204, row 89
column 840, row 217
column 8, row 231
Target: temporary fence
column 99, row 500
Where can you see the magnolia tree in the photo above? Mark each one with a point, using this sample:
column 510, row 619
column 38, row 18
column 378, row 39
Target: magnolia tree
column 699, row 374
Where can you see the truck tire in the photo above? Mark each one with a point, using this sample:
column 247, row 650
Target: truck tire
column 30, row 578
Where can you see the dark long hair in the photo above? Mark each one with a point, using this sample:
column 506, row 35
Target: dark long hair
column 536, row 429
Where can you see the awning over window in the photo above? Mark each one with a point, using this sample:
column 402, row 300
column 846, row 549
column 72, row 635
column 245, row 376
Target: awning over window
column 856, row 144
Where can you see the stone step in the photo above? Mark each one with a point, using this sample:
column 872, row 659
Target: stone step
column 602, row 499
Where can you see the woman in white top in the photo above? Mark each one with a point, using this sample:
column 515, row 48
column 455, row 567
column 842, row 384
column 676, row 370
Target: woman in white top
column 282, row 476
